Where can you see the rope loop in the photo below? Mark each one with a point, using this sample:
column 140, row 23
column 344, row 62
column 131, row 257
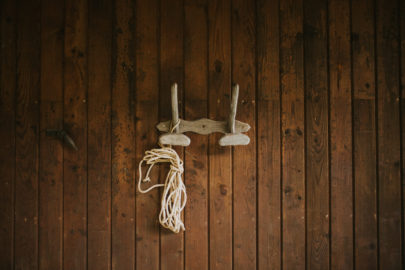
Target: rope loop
column 173, row 127
column 174, row 195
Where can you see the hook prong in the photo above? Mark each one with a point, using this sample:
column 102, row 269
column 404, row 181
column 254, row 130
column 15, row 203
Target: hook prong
column 234, row 105
column 175, row 108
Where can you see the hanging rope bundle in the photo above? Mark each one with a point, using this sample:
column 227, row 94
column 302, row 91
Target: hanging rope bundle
column 174, row 193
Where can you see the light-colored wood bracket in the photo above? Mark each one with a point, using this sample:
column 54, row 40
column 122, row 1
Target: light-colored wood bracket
column 234, row 138
column 232, row 128
column 204, row 126
column 175, row 138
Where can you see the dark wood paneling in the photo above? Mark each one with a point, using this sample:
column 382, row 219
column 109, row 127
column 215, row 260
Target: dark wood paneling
column 388, row 131
column 293, row 133
column 27, row 134
column 51, row 151
column 196, row 155
column 7, row 131
column 402, row 117
column 147, row 105
column 75, row 123
column 171, row 71
column 364, row 135
column 320, row 186
column 123, row 137
column 244, row 158
column 220, row 174
column 268, row 136
column 317, row 143
column 340, row 126
column 99, row 135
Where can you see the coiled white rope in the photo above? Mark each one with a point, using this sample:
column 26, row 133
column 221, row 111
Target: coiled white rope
column 174, row 195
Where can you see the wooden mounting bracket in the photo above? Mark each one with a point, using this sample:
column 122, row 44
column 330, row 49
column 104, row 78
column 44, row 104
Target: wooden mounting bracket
column 175, row 128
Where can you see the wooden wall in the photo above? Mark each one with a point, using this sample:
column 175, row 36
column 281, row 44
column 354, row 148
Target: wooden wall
column 320, row 186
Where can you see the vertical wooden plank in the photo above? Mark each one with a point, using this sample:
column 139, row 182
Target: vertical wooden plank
column 51, row 149
column 171, row 71
column 75, row 123
column 388, row 125
column 340, row 135
column 7, row 130
column 123, row 137
column 99, row 135
column 402, row 117
column 293, row 158
column 27, row 134
column 364, row 132
column 316, row 117
column 147, row 86
column 196, row 158
column 220, row 174
column 268, row 135
column 244, row 157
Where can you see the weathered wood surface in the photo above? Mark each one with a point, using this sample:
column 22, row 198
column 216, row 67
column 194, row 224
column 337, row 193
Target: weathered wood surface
column 8, row 12
column 99, row 135
column 220, row 219
column 364, row 135
column 123, row 137
column 147, row 236
column 171, row 32
column 204, row 126
column 319, row 186
column 340, row 138
column 243, row 42
column 292, row 134
column 388, row 135
column 75, row 122
column 174, row 139
column 234, row 106
column 175, row 107
column 234, row 139
column 269, row 222
column 27, row 133
column 196, row 241
column 317, row 143
column 51, row 150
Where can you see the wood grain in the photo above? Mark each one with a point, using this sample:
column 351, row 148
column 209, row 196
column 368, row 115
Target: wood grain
column 7, row 130
column 204, row 126
column 244, row 157
column 51, row 149
column 196, row 155
column 220, row 174
column 292, row 122
column 317, row 144
column 174, row 139
column 340, row 135
column 268, row 136
column 388, row 131
column 171, row 71
column 320, row 186
column 99, row 135
column 147, row 104
column 75, row 123
column 364, row 135
column 123, row 137
column 402, row 110
column 27, row 135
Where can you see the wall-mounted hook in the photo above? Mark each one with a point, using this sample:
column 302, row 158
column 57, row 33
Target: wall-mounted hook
column 62, row 135
column 234, row 138
column 175, row 138
column 232, row 128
